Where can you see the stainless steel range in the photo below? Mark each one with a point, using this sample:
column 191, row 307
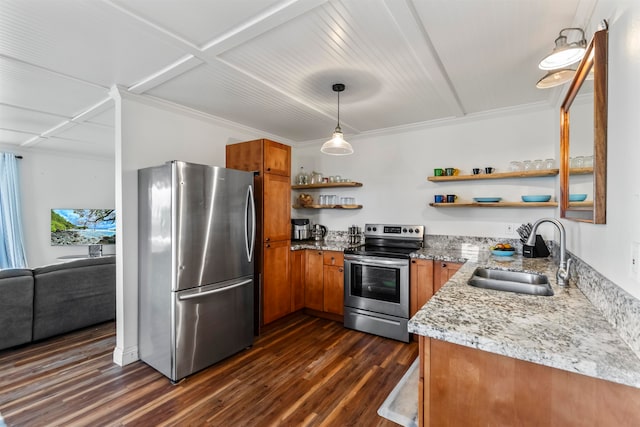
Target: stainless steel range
column 376, row 279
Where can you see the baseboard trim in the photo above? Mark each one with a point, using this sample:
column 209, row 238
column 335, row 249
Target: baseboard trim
column 124, row 357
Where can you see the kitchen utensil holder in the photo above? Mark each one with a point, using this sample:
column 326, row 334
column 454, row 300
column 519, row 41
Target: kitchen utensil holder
column 540, row 249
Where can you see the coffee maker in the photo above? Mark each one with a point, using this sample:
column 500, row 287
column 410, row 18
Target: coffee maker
column 300, row 229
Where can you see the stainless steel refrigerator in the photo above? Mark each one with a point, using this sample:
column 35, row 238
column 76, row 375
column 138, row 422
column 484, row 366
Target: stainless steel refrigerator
column 196, row 234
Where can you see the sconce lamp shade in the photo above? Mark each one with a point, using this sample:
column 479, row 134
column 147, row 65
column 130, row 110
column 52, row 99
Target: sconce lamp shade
column 556, row 78
column 337, row 146
column 564, row 54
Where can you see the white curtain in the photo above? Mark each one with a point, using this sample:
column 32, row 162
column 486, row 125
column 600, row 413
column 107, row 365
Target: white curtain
column 12, row 253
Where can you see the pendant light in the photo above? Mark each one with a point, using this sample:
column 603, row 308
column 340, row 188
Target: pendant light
column 564, row 54
column 337, row 146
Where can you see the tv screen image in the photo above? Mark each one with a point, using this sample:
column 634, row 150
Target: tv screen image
column 76, row 227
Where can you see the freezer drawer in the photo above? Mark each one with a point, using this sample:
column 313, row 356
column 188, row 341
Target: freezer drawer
column 211, row 323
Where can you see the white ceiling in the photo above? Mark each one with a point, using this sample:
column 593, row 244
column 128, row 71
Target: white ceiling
column 269, row 64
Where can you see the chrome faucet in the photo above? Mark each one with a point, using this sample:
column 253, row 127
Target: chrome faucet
column 563, row 273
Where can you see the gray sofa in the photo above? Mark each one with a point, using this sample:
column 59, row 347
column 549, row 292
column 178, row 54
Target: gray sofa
column 55, row 299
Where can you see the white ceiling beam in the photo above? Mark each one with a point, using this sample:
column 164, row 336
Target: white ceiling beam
column 277, row 15
column 408, row 23
column 269, row 19
column 179, row 67
column 78, row 119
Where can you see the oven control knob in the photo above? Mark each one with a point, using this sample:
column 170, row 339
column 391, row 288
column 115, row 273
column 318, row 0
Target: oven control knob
column 375, row 229
column 404, row 230
column 411, row 230
column 368, row 228
column 417, row 230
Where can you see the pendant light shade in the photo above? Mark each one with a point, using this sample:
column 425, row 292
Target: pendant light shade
column 337, row 146
column 564, row 54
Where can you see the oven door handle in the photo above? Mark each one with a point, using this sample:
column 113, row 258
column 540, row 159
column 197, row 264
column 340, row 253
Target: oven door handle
column 376, row 261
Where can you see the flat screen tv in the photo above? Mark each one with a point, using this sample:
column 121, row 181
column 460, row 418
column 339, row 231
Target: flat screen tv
column 78, row 227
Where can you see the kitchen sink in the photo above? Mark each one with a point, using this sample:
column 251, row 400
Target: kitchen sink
column 511, row 281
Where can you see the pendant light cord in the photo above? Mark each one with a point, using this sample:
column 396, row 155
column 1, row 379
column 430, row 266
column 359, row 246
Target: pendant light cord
column 338, row 126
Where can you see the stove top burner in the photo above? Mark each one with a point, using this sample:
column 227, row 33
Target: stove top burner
column 391, row 252
column 390, row 240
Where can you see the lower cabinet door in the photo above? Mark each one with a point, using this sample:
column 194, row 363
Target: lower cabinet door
column 276, row 283
column 334, row 289
column 297, row 262
column 314, row 286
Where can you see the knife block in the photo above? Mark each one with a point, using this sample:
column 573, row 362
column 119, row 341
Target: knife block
column 540, row 249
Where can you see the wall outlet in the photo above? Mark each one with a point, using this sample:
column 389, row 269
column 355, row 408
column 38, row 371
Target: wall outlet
column 635, row 260
column 510, row 229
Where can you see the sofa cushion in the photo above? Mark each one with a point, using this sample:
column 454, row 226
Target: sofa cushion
column 73, row 295
column 16, row 307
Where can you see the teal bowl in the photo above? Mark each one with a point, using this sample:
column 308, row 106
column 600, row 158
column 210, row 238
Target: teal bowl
column 536, row 198
column 498, row 252
column 577, row 197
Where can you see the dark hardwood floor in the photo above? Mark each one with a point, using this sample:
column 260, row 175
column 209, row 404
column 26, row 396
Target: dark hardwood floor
column 303, row 371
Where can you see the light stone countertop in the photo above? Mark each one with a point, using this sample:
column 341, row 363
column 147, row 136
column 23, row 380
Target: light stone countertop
column 563, row 331
column 322, row 245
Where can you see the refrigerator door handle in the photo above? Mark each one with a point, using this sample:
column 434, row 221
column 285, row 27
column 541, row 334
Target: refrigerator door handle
column 250, row 207
column 214, row 291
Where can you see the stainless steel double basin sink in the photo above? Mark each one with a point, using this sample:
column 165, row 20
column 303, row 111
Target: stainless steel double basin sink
column 511, row 281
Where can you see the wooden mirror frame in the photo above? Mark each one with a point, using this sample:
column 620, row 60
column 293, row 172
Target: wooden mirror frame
column 596, row 57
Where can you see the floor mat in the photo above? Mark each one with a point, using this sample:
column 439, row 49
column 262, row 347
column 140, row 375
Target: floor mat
column 401, row 406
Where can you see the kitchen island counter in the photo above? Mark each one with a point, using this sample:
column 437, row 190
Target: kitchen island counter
column 563, row 331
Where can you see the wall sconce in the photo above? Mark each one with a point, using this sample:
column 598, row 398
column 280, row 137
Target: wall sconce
column 564, row 54
column 337, row 146
column 556, row 78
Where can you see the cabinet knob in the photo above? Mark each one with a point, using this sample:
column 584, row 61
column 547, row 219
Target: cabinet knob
column 268, row 169
column 319, row 253
column 444, row 265
column 268, row 239
column 413, row 261
column 268, row 245
column 333, row 260
column 340, row 270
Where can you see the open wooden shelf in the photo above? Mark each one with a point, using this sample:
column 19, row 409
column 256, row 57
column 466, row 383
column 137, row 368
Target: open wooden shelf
column 585, row 204
column 326, row 185
column 495, row 205
column 497, row 175
column 580, row 171
column 327, row 207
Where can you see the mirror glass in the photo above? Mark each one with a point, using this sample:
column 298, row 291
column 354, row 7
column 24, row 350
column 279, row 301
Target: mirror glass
column 583, row 138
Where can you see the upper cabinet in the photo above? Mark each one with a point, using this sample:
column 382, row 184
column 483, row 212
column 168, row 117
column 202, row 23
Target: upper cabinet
column 583, row 138
column 260, row 155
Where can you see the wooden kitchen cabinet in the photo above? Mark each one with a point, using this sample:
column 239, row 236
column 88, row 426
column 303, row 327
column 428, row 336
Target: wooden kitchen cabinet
column 276, row 283
column 427, row 277
column 314, row 280
column 276, row 208
column 465, row 386
column 272, row 189
column 442, row 272
column 421, row 284
column 260, row 155
column 333, row 282
column 324, row 283
column 297, row 261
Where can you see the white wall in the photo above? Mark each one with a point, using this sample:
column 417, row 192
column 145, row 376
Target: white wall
column 56, row 180
column 149, row 133
column 394, row 169
column 608, row 247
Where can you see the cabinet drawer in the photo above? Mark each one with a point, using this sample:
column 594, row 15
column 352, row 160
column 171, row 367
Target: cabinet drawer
column 334, row 258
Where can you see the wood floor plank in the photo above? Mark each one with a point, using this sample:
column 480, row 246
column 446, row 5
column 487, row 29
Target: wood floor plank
column 303, row 371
